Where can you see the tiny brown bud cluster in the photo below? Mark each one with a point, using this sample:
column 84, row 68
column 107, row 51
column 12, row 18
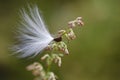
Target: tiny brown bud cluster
column 39, row 73
column 70, row 35
column 77, row 21
column 63, row 47
column 59, row 46
column 37, row 69
column 53, row 57
column 71, row 24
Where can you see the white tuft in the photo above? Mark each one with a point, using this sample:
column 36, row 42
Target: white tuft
column 33, row 35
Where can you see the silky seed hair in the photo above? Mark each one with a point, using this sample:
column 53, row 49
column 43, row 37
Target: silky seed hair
column 33, row 34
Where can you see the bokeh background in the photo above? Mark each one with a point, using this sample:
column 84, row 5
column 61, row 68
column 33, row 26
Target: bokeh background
column 94, row 55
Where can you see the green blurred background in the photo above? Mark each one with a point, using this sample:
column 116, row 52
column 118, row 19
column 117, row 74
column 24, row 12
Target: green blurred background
column 94, row 55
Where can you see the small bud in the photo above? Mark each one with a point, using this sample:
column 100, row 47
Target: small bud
column 62, row 49
column 36, row 68
column 51, row 76
column 61, row 32
column 59, row 61
column 45, row 56
column 79, row 21
column 71, row 24
column 30, row 67
column 79, row 18
column 66, row 51
column 71, row 35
